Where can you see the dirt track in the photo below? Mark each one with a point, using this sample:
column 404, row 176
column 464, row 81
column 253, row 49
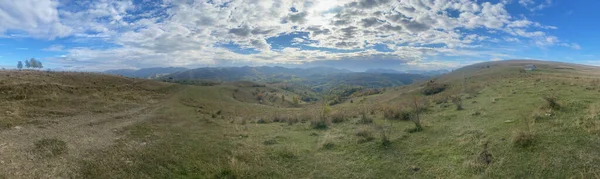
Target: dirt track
column 83, row 133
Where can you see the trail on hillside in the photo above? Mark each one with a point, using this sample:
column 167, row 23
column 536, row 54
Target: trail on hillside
column 83, row 133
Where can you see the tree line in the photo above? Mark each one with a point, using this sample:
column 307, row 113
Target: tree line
column 31, row 63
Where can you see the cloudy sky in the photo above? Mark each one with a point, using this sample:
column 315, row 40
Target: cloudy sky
column 354, row 34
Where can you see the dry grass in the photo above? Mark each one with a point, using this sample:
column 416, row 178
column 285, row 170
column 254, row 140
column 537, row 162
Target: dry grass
column 33, row 94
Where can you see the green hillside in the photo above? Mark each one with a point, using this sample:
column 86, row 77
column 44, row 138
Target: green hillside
column 489, row 120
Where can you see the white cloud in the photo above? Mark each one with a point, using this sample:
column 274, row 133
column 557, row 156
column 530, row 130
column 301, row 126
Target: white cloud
column 187, row 33
column 39, row 18
column 574, row 46
column 54, row 48
column 533, row 6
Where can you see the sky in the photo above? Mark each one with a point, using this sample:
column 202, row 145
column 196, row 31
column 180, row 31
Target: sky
column 97, row 35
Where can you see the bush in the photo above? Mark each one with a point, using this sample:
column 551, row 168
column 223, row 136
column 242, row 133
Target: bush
column 551, row 102
column 328, row 145
column 261, row 121
column 270, row 142
column 320, row 124
column 51, row 147
column 523, row 139
column 338, row 117
column 385, row 140
column 365, row 119
column 365, row 135
column 432, row 88
column 396, row 114
column 457, row 100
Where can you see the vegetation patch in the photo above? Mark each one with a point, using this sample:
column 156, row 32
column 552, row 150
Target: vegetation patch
column 50, row 147
column 433, row 87
column 319, row 124
column 523, row 139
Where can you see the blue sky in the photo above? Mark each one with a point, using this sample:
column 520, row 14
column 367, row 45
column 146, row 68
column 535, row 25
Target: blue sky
column 353, row 34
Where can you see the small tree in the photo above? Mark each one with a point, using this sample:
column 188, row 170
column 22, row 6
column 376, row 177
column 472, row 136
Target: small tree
column 20, row 65
column 39, row 64
column 33, row 63
column 27, row 64
column 282, row 99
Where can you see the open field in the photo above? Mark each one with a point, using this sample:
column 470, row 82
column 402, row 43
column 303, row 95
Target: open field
column 513, row 124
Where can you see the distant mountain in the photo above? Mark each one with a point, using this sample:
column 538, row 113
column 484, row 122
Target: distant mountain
column 379, row 70
column 262, row 73
column 146, row 72
column 421, row 72
column 428, row 73
column 320, row 79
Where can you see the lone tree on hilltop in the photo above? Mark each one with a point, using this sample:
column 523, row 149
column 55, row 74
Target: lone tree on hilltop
column 20, row 65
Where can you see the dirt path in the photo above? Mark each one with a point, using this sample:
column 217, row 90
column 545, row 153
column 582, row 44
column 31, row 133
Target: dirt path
column 18, row 158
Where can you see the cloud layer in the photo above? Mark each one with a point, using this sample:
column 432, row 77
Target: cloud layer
column 192, row 33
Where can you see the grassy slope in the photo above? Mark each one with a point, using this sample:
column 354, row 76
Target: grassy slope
column 28, row 95
column 192, row 145
column 185, row 141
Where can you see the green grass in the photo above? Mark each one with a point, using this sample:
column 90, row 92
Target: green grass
column 182, row 142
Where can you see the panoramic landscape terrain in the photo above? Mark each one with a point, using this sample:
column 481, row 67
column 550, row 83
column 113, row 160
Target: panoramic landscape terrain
column 487, row 120
column 237, row 89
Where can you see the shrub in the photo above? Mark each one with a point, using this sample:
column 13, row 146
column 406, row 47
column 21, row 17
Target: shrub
column 320, row 124
column 457, row 100
column 432, row 88
column 51, row 147
column 365, row 119
column 261, row 121
column 328, row 145
column 396, row 114
column 338, row 117
column 385, row 140
column 523, row 139
column 551, row 102
column 292, row 120
column 365, row 135
column 270, row 142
